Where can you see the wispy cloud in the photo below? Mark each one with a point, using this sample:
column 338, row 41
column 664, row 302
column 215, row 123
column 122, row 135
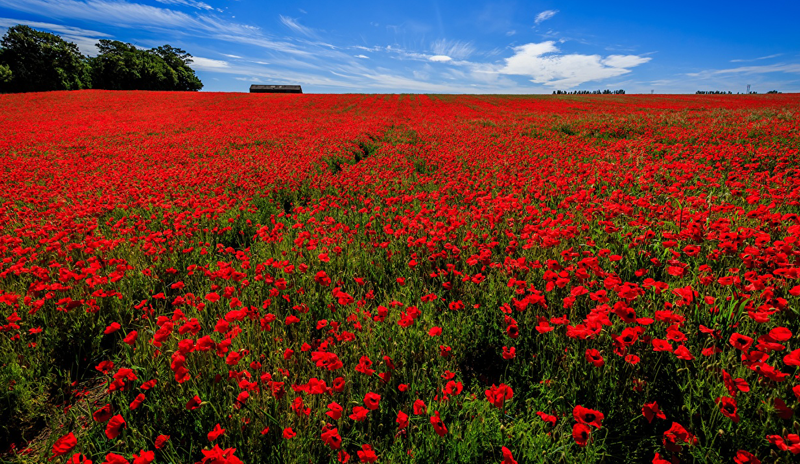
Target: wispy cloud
column 295, row 26
column 85, row 39
column 440, row 58
column 139, row 16
column 544, row 16
column 757, row 59
column 129, row 15
column 208, row 64
column 455, row 49
column 189, row 3
column 543, row 63
column 793, row 68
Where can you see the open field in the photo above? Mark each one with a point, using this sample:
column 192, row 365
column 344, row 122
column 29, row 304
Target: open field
column 433, row 279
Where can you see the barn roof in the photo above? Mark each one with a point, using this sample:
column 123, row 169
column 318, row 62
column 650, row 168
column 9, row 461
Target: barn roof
column 275, row 89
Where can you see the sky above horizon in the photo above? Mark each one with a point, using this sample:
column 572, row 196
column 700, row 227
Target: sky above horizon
column 448, row 46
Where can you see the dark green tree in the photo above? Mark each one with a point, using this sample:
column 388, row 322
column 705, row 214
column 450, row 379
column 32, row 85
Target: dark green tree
column 122, row 66
column 179, row 60
column 32, row 60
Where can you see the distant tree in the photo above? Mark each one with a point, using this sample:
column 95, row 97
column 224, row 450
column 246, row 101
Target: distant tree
column 179, row 60
column 32, row 60
column 122, row 66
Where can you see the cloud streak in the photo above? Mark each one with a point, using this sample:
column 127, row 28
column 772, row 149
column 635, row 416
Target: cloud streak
column 544, row 16
column 295, row 26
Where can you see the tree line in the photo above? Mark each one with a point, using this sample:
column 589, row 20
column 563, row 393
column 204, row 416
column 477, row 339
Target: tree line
column 37, row 61
column 589, row 92
column 723, row 92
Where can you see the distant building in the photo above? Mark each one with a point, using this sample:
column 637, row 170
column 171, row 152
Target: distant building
column 275, row 89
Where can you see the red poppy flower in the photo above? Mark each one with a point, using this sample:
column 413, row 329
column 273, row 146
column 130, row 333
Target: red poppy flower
column 497, row 395
column 335, row 411
column 137, row 401
column 64, row 445
column 657, row 460
column 332, row 439
column 194, row 403
column 217, row 455
column 677, row 435
column 130, row 339
column 651, row 411
column 682, row 352
column 438, row 425
column 113, row 458
column 372, row 400
column 419, row 407
column 215, row 433
column 581, row 434
column 288, row 433
column 740, row 342
column 359, row 413
column 594, row 357
column 745, row 457
column 113, row 327
column 793, row 358
column 367, row 454
column 103, row 414
column 161, row 441
column 114, row 426
column 77, row 458
column 144, row 457
column 547, row 418
column 508, row 458
column 587, row 416
column 338, row 384
column 402, row 420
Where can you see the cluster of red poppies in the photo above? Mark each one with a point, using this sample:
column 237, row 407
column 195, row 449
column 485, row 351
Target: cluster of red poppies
column 222, row 277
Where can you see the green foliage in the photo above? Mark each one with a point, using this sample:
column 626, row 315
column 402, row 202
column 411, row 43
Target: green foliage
column 32, row 60
column 5, row 74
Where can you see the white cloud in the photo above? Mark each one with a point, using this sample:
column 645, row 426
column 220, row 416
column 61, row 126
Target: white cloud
column 232, row 56
column 207, row 64
column 624, row 61
column 544, row 16
column 453, row 48
column 292, row 24
column 543, row 65
column 440, row 58
column 511, row 32
column 365, row 57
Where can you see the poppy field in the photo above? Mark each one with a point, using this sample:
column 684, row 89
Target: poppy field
column 225, row 278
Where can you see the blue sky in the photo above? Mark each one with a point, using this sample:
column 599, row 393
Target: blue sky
column 449, row 46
